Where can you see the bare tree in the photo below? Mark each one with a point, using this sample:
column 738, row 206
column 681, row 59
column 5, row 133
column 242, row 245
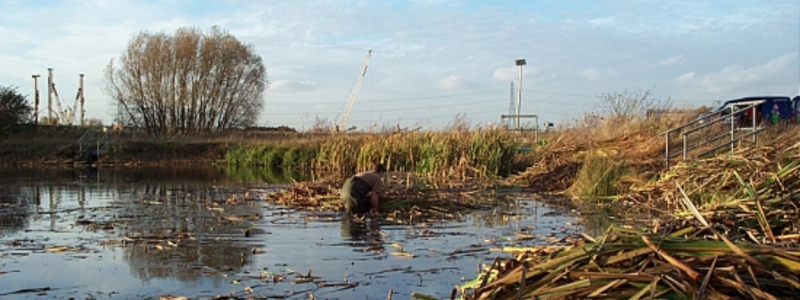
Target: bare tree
column 630, row 105
column 460, row 122
column 187, row 82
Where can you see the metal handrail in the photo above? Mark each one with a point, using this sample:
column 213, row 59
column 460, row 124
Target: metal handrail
column 729, row 143
column 686, row 148
column 85, row 140
column 711, row 140
column 690, row 123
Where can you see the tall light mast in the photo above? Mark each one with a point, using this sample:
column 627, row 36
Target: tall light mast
column 36, row 97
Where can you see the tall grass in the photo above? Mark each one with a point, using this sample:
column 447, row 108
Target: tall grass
column 612, row 152
column 600, row 177
column 480, row 153
column 616, row 154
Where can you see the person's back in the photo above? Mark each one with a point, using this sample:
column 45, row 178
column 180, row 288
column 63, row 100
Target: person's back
column 360, row 192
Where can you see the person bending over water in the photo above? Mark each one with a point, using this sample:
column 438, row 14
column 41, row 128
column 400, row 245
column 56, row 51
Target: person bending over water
column 360, row 192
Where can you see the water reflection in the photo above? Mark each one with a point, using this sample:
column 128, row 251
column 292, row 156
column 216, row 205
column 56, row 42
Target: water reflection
column 360, row 228
column 266, row 174
column 186, row 231
column 168, row 223
column 363, row 233
column 174, row 225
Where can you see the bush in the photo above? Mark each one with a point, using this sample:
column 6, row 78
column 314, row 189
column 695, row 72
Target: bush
column 14, row 107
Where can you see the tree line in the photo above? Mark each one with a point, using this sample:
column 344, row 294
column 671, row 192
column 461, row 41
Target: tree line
column 186, row 82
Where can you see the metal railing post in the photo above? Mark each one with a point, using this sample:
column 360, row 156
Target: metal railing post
column 755, row 141
column 733, row 132
column 684, row 147
column 666, row 159
column 536, row 133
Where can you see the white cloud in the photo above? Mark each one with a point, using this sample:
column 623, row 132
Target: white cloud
column 506, row 74
column 737, row 75
column 288, row 86
column 590, row 74
column 317, row 46
column 685, row 77
column 668, row 62
column 453, row 83
column 430, row 2
column 512, row 73
column 772, row 77
column 599, row 22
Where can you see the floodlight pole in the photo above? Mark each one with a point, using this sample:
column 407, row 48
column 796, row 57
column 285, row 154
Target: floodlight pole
column 36, row 99
column 80, row 94
column 49, row 96
column 520, row 63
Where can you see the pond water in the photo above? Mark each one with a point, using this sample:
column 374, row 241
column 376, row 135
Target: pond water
column 201, row 233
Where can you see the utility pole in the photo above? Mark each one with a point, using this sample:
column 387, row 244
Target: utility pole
column 50, row 95
column 520, row 63
column 80, row 93
column 36, row 99
column 511, row 106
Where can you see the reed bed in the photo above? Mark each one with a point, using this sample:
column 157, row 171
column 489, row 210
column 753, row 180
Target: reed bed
column 482, row 153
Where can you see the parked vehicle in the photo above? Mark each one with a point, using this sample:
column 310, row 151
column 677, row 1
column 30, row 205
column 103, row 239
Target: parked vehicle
column 773, row 110
column 796, row 102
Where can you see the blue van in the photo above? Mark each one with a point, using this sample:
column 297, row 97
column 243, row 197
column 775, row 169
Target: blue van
column 773, row 110
column 796, row 102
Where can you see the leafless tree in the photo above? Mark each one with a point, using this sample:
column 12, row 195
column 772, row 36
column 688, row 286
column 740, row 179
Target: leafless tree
column 629, row 105
column 187, row 82
column 460, row 122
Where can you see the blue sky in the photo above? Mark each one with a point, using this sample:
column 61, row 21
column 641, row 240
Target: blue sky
column 431, row 59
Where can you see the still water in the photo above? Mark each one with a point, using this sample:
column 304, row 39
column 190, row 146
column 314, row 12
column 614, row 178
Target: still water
column 201, row 233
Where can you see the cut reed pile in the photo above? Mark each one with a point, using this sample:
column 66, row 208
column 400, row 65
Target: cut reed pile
column 717, row 174
column 753, row 194
column 628, row 264
column 569, row 165
column 405, row 199
column 733, row 235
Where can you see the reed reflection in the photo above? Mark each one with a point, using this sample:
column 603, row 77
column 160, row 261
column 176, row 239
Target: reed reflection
column 178, row 224
column 174, row 225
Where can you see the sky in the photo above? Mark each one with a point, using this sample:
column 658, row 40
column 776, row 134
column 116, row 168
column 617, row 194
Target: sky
column 432, row 61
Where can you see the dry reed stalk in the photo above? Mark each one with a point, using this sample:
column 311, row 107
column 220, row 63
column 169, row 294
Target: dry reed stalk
column 624, row 267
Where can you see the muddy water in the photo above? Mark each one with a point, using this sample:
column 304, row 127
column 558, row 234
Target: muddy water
column 200, row 233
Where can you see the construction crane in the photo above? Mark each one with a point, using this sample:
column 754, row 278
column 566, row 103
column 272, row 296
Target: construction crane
column 60, row 116
column 65, row 116
column 340, row 126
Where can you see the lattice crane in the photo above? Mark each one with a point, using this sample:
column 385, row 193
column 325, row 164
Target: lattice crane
column 353, row 96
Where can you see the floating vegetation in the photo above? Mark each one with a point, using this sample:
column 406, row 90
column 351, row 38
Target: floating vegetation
column 403, row 200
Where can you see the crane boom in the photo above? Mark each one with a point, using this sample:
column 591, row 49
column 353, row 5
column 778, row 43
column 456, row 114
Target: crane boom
column 354, row 93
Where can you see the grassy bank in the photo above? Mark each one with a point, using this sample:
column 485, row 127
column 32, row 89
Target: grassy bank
column 612, row 160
